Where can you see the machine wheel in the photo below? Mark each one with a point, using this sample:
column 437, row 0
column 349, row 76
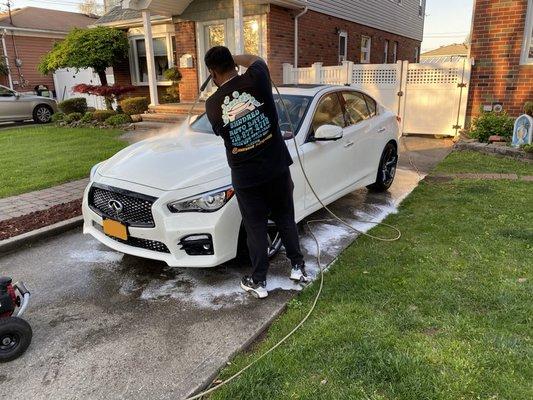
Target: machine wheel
column 387, row 169
column 274, row 242
column 42, row 114
column 15, row 337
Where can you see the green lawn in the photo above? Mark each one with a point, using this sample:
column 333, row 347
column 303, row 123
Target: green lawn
column 471, row 161
column 39, row 157
column 444, row 313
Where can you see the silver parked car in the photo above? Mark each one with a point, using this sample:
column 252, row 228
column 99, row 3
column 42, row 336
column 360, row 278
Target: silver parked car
column 16, row 106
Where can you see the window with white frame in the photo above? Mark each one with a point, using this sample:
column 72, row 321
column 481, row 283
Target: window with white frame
column 386, row 52
column 164, row 57
column 366, row 43
column 395, row 52
column 527, row 47
column 343, row 46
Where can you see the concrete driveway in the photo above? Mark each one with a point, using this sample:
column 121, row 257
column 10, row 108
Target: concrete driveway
column 112, row 326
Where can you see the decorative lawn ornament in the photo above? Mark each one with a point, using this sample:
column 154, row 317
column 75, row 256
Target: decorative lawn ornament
column 523, row 130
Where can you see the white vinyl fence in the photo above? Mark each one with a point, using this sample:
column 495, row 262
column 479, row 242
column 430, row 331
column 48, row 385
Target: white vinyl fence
column 430, row 98
column 66, row 78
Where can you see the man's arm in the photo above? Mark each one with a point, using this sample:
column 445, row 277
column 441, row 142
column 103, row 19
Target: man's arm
column 245, row 60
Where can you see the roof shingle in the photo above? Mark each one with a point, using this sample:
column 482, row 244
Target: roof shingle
column 45, row 19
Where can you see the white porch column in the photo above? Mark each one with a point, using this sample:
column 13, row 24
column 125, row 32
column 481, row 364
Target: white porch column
column 239, row 26
column 149, row 45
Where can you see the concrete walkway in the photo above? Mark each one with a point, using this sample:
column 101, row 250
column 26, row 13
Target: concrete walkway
column 39, row 200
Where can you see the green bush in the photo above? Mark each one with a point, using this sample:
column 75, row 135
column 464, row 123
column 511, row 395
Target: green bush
column 118, row 119
column 491, row 123
column 87, row 117
column 102, row 115
column 528, row 148
column 528, row 108
column 77, row 104
column 58, row 117
column 134, row 105
column 172, row 74
column 75, row 116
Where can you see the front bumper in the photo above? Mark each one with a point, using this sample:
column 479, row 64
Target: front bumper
column 162, row 242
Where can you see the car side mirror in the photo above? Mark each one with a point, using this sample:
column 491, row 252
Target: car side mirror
column 328, row 132
column 16, row 94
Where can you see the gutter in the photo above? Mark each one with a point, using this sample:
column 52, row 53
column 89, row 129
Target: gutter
column 296, row 18
column 16, row 29
column 6, row 58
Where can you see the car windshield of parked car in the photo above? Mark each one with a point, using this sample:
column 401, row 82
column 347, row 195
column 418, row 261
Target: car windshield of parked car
column 5, row 92
column 296, row 105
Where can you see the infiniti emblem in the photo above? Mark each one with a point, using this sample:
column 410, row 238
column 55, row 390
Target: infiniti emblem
column 115, row 205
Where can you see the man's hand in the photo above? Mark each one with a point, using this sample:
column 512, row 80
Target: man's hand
column 245, row 60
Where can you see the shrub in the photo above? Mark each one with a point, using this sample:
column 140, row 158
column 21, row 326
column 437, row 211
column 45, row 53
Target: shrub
column 75, row 116
column 134, row 105
column 76, row 104
column 491, row 123
column 87, row 117
column 118, row 119
column 172, row 74
column 528, row 148
column 528, row 108
column 102, row 115
column 58, row 117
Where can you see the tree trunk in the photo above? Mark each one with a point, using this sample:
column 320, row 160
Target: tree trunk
column 103, row 82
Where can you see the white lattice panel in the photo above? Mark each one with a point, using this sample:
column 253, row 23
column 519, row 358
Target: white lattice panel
column 420, row 74
column 381, row 76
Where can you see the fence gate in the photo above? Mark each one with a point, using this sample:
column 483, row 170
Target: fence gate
column 430, row 98
column 66, row 78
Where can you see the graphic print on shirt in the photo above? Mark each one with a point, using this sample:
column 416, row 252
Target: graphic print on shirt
column 248, row 126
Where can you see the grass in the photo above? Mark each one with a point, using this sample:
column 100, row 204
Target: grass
column 444, row 313
column 39, row 157
column 471, row 161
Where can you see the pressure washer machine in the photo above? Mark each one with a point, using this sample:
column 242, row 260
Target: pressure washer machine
column 15, row 333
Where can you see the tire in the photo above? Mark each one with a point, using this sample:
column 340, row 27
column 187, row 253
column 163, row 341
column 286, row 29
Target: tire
column 274, row 241
column 386, row 170
column 15, row 337
column 42, row 114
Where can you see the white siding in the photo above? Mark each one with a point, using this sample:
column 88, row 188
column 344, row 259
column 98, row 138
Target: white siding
column 402, row 19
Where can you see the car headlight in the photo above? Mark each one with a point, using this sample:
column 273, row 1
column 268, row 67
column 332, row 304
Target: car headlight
column 93, row 171
column 207, row 202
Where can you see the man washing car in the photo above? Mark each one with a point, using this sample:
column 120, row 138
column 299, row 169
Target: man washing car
column 242, row 111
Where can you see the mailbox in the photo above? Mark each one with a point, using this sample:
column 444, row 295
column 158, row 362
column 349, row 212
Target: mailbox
column 186, row 61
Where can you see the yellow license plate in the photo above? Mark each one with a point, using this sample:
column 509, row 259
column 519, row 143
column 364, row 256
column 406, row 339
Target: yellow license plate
column 115, row 229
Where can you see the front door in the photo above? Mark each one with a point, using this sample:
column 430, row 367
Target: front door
column 11, row 107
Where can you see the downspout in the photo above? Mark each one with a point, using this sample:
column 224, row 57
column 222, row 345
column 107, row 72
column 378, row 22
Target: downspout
column 296, row 18
column 6, row 58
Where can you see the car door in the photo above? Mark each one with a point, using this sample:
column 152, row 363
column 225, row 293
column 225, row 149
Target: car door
column 358, row 133
column 325, row 161
column 10, row 109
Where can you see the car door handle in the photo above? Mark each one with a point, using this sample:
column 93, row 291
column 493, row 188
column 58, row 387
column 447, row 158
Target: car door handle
column 349, row 144
column 382, row 130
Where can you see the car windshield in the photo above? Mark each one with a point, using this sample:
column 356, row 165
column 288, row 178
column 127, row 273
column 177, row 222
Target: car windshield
column 296, row 105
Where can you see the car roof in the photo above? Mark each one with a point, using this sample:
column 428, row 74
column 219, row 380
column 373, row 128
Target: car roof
column 307, row 89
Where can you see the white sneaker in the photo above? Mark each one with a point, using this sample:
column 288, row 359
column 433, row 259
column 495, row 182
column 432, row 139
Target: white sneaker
column 298, row 274
column 258, row 290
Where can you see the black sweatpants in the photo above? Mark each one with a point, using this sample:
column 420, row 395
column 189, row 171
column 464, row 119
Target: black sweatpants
column 272, row 200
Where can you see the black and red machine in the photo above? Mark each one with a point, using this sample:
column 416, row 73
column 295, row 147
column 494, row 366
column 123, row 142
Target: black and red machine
column 15, row 333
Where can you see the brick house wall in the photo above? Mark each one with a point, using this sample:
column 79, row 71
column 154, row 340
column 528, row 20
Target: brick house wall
column 186, row 44
column 30, row 49
column 497, row 76
column 319, row 41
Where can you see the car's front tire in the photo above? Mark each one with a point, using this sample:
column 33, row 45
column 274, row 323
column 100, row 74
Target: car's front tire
column 42, row 114
column 387, row 169
column 274, row 242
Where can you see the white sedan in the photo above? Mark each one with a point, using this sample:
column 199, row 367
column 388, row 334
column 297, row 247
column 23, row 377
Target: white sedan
column 170, row 198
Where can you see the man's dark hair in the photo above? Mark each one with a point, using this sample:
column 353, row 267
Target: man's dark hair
column 219, row 59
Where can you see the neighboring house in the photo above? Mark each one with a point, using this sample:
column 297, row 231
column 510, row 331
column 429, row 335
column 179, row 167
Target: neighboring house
column 502, row 49
column 27, row 36
column 328, row 31
column 451, row 53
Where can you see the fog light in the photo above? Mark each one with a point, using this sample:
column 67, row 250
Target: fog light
column 197, row 245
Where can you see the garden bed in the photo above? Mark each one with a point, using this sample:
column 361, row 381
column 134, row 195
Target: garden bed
column 494, row 148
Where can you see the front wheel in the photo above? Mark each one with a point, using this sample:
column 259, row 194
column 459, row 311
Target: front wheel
column 15, row 337
column 387, row 169
column 42, row 114
column 273, row 237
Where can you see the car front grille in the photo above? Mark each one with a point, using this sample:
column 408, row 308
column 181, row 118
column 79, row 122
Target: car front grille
column 133, row 209
column 147, row 244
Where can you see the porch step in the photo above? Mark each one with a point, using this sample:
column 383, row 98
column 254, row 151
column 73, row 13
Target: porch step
column 164, row 117
column 177, row 108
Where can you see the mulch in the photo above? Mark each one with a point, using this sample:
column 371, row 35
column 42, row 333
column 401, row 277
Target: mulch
column 38, row 219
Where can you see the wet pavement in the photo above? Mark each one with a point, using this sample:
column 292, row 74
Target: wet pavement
column 108, row 325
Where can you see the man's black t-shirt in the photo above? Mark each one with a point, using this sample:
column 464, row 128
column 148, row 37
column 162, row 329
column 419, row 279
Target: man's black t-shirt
column 243, row 113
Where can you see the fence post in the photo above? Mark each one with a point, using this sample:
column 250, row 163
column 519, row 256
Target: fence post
column 403, row 67
column 347, row 72
column 287, row 74
column 316, row 73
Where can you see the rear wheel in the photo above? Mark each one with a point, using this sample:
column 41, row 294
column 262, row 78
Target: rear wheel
column 15, row 337
column 42, row 114
column 387, row 169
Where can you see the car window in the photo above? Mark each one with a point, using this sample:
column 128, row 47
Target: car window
column 5, row 92
column 328, row 112
column 372, row 106
column 356, row 108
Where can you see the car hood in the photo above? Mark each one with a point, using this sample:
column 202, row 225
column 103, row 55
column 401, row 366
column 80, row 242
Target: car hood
column 170, row 162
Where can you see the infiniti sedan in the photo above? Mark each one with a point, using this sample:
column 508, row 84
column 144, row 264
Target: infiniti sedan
column 170, row 198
